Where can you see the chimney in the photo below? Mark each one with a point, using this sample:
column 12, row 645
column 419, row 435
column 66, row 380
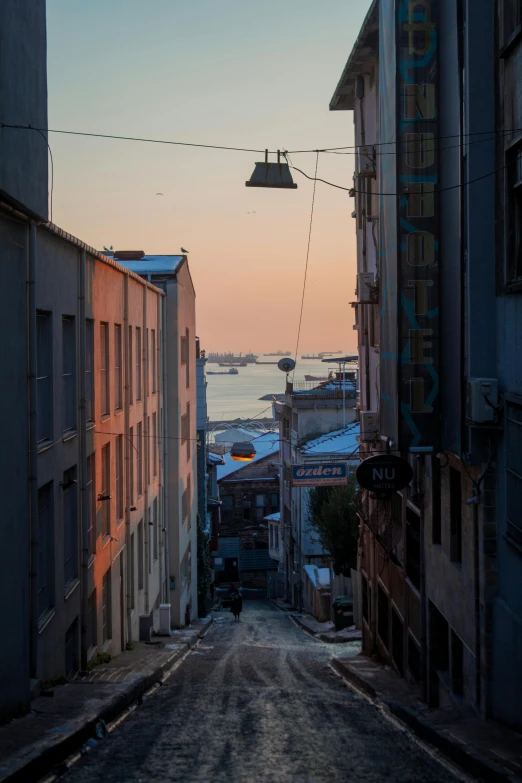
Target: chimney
column 128, row 255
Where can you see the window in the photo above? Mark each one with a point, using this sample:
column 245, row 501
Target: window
column 276, row 536
column 91, row 501
column 186, row 502
column 153, row 358
column 514, row 243
column 132, row 572
column 154, row 445
column 155, row 529
column 71, row 649
column 119, row 477
column 383, row 616
column 510, row 17
column 44, row 377
column 104, row 491
column 414, row 658
column 104, row 368
column 92, row 636
column 147, row 451
column 106, row 607
column 46, row 555
column 139, row 459
column 261, row 506
column 147, row 363
column 455, row 516
column 131, row 465
column 130, row 369
column 247, row 509
column 140, row 555
column 185, row 351
column 514, row 473
column 138, row 363
column 413, row 547
column 436, row 517
column 69, row 373
column 185, row 430
column 274, row 502
column 89, row 368
column 118, row 368
column 286, row 428
column 227, row 507
column 189, row 501
column 70, row 526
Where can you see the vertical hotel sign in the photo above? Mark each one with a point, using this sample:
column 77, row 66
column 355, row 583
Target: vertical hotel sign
column 418, row 223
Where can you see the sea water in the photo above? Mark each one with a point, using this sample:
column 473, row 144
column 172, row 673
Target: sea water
column 237, row 396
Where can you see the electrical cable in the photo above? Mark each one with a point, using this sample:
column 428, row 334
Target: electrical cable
column 52, row 171
column 307, row 257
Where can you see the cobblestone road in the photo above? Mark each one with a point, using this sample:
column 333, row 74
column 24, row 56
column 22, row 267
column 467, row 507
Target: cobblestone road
column 257, row 703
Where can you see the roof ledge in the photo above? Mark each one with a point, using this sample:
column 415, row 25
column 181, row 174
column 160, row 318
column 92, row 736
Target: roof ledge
column 362, row 59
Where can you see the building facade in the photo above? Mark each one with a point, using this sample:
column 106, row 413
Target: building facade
column 424, row 188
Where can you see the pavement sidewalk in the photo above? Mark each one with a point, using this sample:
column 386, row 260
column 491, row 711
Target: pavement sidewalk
column 486, row 749
column 326, row 631
column 74, row 713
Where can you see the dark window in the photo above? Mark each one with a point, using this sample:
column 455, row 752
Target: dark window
column 457, row 664
column 274, row 502
column 397, row 641
column 155, row 529
column 130, row 369
column 44, row 376
column 185, row 429
column 139, row 459
column 105, row 488
column 509, row 19
column 106, row 607
column 154, row 445
column 383, row 616
column 436, row 519
column 514, row 473
column 189, row 501
column 261, row 506
column 140, row 555
column 365, row 599
column 104, row 368
column 147, row 451
column 91, row 500
column 413, row 547
column 118, row 368
column 89, row 368
column 227, row 507
column 455, row 516
column 119, row 477
column 70, row 526
column 247, row 509
column 414, row 658
column 69, row 373
column 132, row 457
column 153, row 359
column 46, row 541
column 286, row 428
column 132, row 571
column 514, row 243
column 138, row 363
column 71, row 649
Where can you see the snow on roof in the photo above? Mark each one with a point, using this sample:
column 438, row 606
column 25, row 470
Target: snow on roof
column 265, row 444
column 216, row 459
column 319, row 577
column 273, row 517
column 153, row 265
column 341, row 442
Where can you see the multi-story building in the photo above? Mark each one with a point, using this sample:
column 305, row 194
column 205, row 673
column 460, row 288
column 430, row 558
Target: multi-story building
column 171, row 274
column 507, row 616
column 23, row 203
column 310, row 409
column 424, row 187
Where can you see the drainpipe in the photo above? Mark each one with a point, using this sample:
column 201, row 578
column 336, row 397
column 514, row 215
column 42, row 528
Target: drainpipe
column 84, row 493
column 129, row 446
column 145, row 363
column 422, row 579
column 164, row 442
column 33, row 452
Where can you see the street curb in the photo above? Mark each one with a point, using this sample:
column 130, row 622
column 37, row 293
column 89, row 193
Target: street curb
column 299, row 622
column 323, row 635
column 470, row 761
column 53, row 758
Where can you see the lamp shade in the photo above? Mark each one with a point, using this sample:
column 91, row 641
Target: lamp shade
column 271, row 175
column 243, row 452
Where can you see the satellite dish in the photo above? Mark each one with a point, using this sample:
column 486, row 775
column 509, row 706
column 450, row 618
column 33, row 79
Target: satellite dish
column 286, row 365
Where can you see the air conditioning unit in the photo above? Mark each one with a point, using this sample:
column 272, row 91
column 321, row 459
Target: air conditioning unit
column 481, row 400
column 369, row 426
column 164, row 620
column 365, row 284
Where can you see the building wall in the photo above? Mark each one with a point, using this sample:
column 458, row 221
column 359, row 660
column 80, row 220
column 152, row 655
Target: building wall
column 23, row 101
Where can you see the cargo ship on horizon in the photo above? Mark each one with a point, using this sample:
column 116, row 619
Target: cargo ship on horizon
column 231, row 358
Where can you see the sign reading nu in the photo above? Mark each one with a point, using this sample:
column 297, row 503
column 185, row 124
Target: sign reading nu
column 384, row 473
column 329, row 474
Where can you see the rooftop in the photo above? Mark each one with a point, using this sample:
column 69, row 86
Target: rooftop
column 265, row 444
column 339, row 443
column 153, row 265
column 362, row 60
column 276, row 517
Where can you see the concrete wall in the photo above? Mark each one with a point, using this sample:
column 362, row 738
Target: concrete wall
column 23, row 100
column 14, row 468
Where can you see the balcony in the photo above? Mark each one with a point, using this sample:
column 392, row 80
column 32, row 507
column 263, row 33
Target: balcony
column 324, row 390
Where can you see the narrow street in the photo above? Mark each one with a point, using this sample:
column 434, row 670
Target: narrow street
column 257, row 702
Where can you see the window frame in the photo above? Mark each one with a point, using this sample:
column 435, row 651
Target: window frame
column 89, row 370
column 105, row 489
column 118, row 368
column 70, row 528
column 44, row 376
column 105, row 397
column 139, row 373
column 513, row 223
column 69, row 362
column 118, row 479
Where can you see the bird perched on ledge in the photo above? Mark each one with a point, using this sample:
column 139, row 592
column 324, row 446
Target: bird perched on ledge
column 183, row 250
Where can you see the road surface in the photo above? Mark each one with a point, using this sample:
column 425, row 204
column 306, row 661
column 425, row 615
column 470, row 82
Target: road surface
column 257, row 703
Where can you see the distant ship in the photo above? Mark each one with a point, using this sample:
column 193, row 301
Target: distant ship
column 230, row 358
column 278, row 353
column 320, row 355
column 232, row 371
column 318, row 378
column 232, row 364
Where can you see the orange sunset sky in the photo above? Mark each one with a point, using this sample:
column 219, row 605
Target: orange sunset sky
column 251, row 73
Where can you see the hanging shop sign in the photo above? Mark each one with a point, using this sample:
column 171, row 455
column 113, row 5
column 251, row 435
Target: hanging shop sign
column 384, row 473
column 329, row 474
column 418, row 218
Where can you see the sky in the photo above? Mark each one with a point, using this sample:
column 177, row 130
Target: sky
column 247, row 73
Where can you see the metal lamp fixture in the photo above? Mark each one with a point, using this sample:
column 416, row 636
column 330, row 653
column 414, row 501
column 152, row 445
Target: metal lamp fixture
column 271, row 175
column 243, row 452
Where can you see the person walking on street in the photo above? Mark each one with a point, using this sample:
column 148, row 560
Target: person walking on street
column 236, row 606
